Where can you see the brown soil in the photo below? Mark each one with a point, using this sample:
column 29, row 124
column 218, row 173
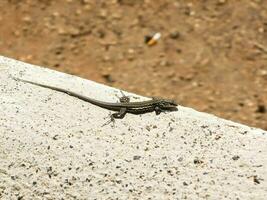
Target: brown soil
column 212, row 55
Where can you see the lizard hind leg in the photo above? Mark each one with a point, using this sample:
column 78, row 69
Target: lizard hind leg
column 120, row 114
column 111, row 120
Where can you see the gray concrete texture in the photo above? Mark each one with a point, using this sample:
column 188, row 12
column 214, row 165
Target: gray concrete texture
column 53, row 146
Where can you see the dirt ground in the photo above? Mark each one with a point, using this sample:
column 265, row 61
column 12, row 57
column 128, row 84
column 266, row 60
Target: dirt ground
column 212, row 54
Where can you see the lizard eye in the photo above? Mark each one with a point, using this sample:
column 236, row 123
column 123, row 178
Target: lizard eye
column 163, row 104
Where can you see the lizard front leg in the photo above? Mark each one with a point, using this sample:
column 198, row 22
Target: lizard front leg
column 158, row 110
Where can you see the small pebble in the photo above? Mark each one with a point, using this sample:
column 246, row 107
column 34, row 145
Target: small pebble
column 261, row 109
column 136, row 157
column 235, row 157
column 174, row 35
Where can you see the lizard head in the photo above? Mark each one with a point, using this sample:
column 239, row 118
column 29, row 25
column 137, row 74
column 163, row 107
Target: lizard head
column 167, row 105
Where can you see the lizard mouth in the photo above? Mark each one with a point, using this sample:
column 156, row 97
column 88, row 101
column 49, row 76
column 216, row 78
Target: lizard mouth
column 171, row 108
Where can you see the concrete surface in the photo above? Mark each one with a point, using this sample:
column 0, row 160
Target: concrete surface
column 52, row 146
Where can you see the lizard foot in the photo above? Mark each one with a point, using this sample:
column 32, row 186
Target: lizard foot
column 111, row 120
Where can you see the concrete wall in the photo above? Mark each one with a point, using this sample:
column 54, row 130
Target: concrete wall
column 53, row 146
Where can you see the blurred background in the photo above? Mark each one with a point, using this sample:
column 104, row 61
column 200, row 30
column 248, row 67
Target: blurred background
column 211, row 56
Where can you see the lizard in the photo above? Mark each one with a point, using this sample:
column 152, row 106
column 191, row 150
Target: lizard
column 124, row 106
